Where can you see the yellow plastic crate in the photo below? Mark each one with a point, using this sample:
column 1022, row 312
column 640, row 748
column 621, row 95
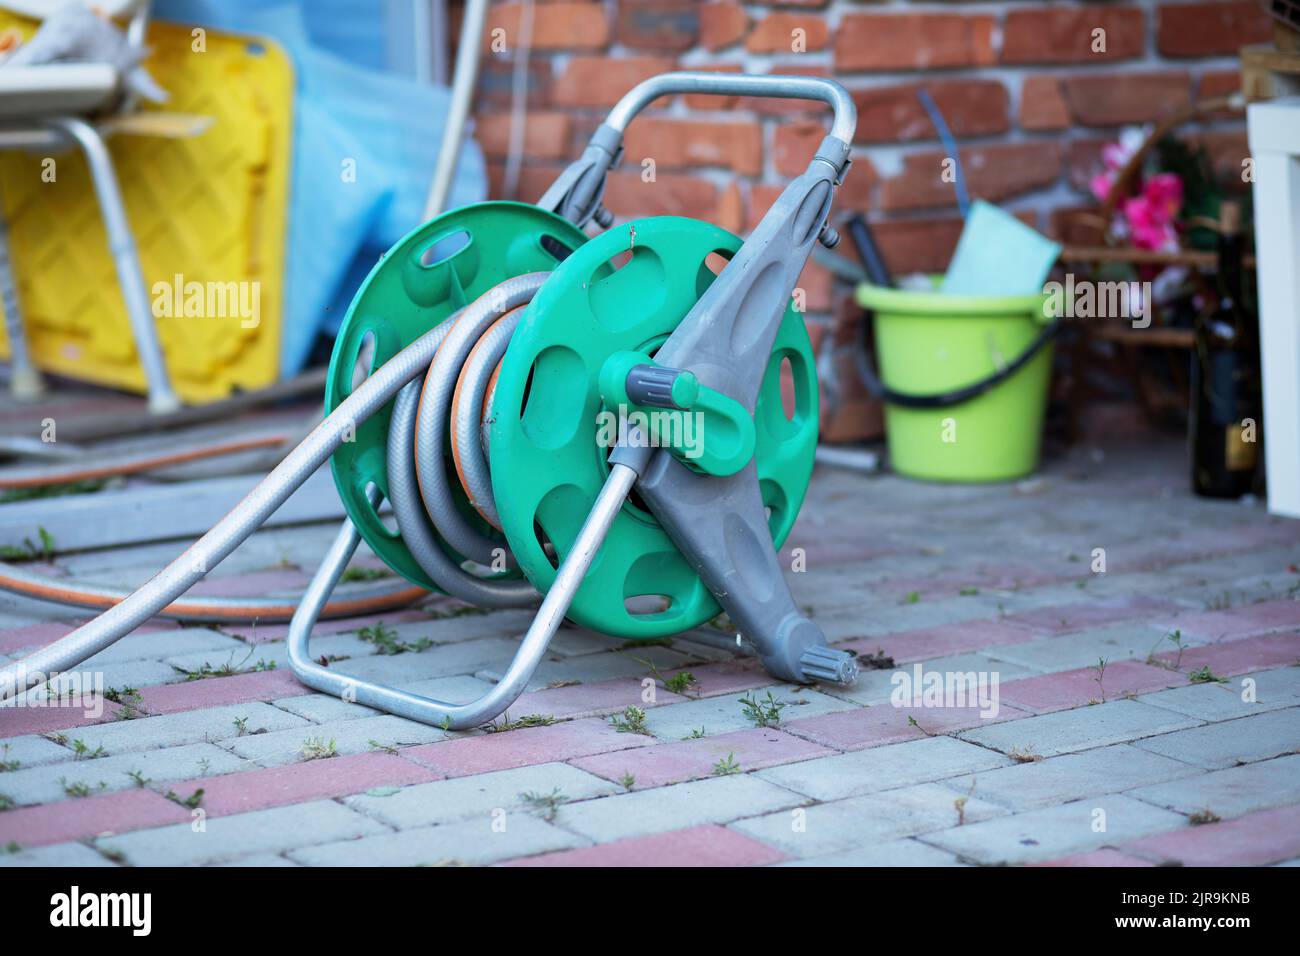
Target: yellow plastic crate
column 211, row 209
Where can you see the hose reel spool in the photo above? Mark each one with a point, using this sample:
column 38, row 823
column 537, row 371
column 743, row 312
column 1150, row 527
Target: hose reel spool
column 501, row 337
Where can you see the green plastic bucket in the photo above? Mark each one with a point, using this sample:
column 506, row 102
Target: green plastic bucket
column 929, row 343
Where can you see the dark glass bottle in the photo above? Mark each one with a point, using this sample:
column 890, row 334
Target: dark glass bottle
column 1225, row 424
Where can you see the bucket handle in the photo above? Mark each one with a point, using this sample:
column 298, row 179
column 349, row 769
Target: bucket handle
column 958, row 395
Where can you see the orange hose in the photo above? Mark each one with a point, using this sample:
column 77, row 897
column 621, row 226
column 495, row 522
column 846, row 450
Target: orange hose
column 137, row 465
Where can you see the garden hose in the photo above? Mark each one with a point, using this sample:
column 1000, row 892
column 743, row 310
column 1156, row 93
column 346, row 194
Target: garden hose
column 258, row 505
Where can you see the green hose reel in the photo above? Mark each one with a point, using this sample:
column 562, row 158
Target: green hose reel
column 546, row 417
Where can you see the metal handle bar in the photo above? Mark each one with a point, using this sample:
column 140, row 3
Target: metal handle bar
column 740, row 84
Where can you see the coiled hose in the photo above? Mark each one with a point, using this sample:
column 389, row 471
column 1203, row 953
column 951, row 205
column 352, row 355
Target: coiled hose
column 467, row 347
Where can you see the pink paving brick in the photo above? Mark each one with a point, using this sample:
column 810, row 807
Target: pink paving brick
column 1252, row 619
column 926, row 643
column 17, row 721
column 1078, row 688
column 261, row 633
column 1269, row 836
column 256, row 584
column 1064, row 619
column 587, row 700
column 301, row 782
column 696, row 846
column 1229, row 658
column 886, row 724
column 693, row 759
column 218, row 691
column 1106, row 857
column 88, row 817
column 524, row 747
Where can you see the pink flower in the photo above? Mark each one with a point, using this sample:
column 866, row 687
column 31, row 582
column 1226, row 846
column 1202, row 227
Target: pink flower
column 1165, row 192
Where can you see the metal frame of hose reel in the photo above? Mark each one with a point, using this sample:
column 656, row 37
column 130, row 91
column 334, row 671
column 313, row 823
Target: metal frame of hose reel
column 717, row 521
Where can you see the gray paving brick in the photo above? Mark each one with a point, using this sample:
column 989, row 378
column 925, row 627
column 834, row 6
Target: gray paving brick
column 45, row 784
column 592, row 668
column 1056, row 831
column 444, row 801
column 59, row 854
column 906, row 852
column 884, row 768
column 1213, row 701
column 258, row 860
column 444, row 660
column 141, row 673
column 720, row 715
column 261, row 831
column 32, row 750
column 470, row 841
column 1231, row 792
column 1232, row 742
column 1114, row 722
column 1083, row 649
column 323, row 708
column 1069, row 777
column 191, row 726
column 349, row 737
column 862, row 822
column 717, row 800
column 158, row 645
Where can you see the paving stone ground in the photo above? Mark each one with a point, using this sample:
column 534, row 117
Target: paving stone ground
column 1090, row 667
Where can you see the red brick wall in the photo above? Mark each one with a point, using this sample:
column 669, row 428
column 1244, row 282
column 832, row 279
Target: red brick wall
column 1029, row 99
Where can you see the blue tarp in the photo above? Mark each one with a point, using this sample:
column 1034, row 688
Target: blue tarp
column 389, row 125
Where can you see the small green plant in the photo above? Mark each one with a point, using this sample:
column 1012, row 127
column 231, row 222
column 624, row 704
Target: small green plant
column 365, row 574
column 31, row 551
column 128, row 701
column 315, row 748
column 81, row 751
column 241, row 726
column 6, row 765
column 6, row 802
column 387, row 642
column 1101, row 678
column 527, row 720
column 912, row 597
column 762, row 713
column 191, row 802
column 386, row 748
column 969, row 592
column 228, row 669
column 631, row 721
column 627, row 781
column 546, row 804
column 80, row 789
column 1174, row 637
column 912, row 722
column 1203, row 675
column 682, row 682
column 726, row 767
column 12, row 847
column 138, row 778
column 695, row 734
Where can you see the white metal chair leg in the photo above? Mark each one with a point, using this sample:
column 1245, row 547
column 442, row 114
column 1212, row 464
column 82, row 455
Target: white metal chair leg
column 25, row 383
column 121, row 245
column 492, row 704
